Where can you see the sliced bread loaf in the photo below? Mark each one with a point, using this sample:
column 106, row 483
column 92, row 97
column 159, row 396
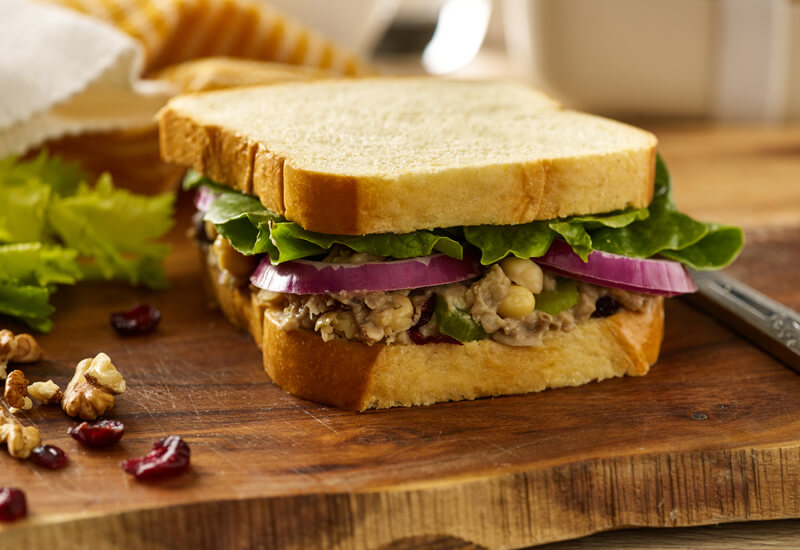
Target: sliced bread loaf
column 396, row 155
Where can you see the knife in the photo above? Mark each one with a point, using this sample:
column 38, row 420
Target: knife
column 772, row 326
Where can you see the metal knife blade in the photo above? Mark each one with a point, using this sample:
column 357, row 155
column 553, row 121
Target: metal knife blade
column 770, row 325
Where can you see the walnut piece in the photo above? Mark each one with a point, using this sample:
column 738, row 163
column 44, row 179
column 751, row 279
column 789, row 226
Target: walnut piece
column 47, row 393
column 22, row 348
column 19, row 441
column 16, row 392
column 91, row 391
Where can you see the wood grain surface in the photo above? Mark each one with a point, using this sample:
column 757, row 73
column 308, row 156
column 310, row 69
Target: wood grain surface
column 711, row 435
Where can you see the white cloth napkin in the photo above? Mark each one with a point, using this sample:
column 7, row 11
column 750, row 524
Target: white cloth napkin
column 63, row 73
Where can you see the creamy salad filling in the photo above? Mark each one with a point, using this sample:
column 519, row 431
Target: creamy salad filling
column 395, row 317
column 514, row 303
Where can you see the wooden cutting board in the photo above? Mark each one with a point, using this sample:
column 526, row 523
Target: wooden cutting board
column 711, row 435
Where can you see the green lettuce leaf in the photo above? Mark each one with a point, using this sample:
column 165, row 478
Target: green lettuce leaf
column 671, row 234
column 719, row 247
column 115, row 230
column 495, row 242
column 62, row 178
column 575, row 230
column 642, row 233
column 243, row 221
column 193, row 180
column 38, row 264
column 295, row 242
column 252, row 229
column 30, row 304
column 576, row 236
column 55, row 229
column 22, row 213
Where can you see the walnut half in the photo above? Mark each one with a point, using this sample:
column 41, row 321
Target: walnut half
column 91, row 391
column 22, row 348
column 16, row 392
column 19, row 441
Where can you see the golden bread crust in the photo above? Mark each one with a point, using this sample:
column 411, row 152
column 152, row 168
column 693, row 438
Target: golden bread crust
column 354, row 376
column 357, row 377
column 327, row 168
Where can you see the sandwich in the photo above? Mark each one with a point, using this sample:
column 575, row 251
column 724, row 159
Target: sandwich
column 398, row 242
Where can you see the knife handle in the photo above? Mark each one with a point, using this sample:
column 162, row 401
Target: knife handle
column 770, row 325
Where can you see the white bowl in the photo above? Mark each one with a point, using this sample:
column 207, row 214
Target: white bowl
column 729, row 59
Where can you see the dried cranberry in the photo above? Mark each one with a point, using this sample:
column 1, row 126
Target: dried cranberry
column 100, row 433
column 12, row 504
column 49, row 456
column 141, row 319
column 605, row 307
column 169, row 457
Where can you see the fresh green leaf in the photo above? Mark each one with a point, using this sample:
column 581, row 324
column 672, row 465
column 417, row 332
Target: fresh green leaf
column 22, row 212
column 193, row 180
column 564, row 297
column 38, row 264
column 640, row 233
column 242, row 220
column 576, row 236
column 61, row 177
column 232, row 205
column 116, row 229
column 716, row 250
column 287, row 238
column 252, row 229
column 457, row 323
column 59, row 230
column 495, row 242
column 31, row 304
column 619, row 219
column 532, row 240
column 295, row 242
column 663, row 230
column 672, row 234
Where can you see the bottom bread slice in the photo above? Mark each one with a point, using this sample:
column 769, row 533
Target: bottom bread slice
column 354, row 376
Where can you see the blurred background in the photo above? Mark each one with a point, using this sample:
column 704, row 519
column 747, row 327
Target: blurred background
column 722, row 59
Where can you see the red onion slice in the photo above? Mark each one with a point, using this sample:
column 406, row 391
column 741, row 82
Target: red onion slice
column 307, row 277
column 663, row 277
column 204, row 197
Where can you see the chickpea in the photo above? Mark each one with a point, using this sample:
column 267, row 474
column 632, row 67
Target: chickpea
column 523, row 272
column 232, row 261
column 517, row 304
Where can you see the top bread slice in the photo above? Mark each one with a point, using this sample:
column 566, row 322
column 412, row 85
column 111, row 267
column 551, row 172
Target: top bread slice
column 396, row 155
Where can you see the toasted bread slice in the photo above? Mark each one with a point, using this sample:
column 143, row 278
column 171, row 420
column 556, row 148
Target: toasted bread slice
column 354, row 376
column 396, row 155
